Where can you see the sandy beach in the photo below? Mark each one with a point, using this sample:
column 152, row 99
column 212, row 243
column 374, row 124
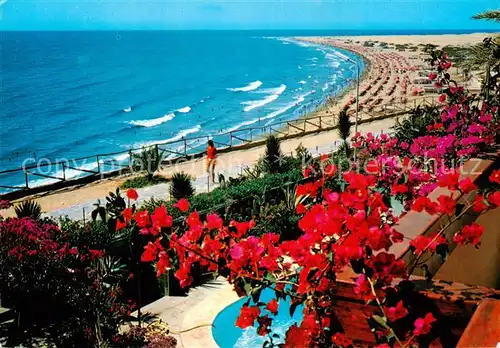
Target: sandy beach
column 389, row 80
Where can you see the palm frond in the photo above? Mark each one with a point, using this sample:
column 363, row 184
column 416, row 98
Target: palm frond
column 493, row 15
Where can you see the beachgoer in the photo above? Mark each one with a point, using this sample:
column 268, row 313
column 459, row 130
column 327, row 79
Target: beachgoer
column 211, row 160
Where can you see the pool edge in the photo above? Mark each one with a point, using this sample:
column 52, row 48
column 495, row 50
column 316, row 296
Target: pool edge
column 202, row 316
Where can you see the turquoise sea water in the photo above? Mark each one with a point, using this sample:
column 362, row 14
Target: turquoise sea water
column 67, row 95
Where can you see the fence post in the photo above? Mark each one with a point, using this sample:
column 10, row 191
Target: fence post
column 64, row 171
column 98, row 165
column 185, row 146
column 320, row 122
column 230, row 139
column 130, row 160
column 26, row 178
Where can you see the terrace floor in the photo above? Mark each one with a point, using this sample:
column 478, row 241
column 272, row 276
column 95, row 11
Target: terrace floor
column 190, row 317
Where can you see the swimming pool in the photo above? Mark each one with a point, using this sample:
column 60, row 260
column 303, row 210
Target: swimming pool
column 227, row 335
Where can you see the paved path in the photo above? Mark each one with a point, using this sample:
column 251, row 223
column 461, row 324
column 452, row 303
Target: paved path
column 161, row 191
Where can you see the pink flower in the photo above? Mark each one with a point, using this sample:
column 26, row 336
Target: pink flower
column 442, row 98
column 423, row 325
column 432, row 76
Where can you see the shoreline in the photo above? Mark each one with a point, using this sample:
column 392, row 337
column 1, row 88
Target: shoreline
column 376, row 56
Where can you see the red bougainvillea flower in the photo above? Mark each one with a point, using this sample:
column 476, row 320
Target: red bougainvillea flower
column 184, row 276
column 469, row 234
column 432, row 76
column 300, row 209
column 494, row 198
column 466, row 185
column 395, row 313
column 182, row 205
column 478, row 204
column 161, row 219
column 272, row 306
column 247, row 316
column 363, row 288
column 340, row 340
column 323, row 157
column 446, row 204
column 423, row 325
column 132, row 194
column 142, row 219
column 495, row 176
column 120, row 224
column 424, row 203
column 264, row 325
column 372, row 167
column 214, row 222
column 297, row 337
column 127, row 214
column 330, row 170
column 442, row 98
column 399, row 188
column 163, row 263
column 150, row 253
column 449, row 179
column 420, row 244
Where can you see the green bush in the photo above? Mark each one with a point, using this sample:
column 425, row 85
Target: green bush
column 143, row 181
column 277, row 218
column 243, row 193
column 273, row 156
column 149, row 160
column 65, row 292
column 415, row 125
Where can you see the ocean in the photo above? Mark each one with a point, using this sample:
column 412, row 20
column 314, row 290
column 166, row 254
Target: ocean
column 68, row 95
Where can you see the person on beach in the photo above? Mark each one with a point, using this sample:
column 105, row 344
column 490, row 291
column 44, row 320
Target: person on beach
column 211, row 160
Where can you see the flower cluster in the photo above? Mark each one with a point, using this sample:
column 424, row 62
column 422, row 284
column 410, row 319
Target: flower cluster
column 348, row 228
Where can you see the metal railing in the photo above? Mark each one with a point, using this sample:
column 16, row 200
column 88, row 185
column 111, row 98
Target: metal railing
column 64, row 172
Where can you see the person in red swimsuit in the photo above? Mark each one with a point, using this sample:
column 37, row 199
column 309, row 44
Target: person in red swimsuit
column 211, row 159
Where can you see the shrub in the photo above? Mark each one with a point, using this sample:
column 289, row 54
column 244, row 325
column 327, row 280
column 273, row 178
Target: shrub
column 181, row 186
column 28, row 208
column 415, row 125
column 149, row 159
column 5, row 204
column 273, row 155
column 344, row 130
column 143, row 181
column 64, row 294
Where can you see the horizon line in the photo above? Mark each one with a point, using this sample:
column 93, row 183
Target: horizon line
column 472, row 30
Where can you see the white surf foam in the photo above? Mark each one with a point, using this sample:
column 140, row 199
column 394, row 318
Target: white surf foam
column 275, row 93
column 302, row 82
column 152, row 122
column 242, row 124
column 184, row 110
column 299, row 99
column 176, row 137
column 127, row 109
column 250, row 87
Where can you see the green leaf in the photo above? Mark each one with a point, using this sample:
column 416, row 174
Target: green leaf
column 256, row 294
column 271, row 277
column 381, row 320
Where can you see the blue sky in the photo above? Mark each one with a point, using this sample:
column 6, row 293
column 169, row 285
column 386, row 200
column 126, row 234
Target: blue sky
column 242, row 14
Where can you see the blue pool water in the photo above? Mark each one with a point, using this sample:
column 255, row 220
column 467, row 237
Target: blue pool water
column 227, row 335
